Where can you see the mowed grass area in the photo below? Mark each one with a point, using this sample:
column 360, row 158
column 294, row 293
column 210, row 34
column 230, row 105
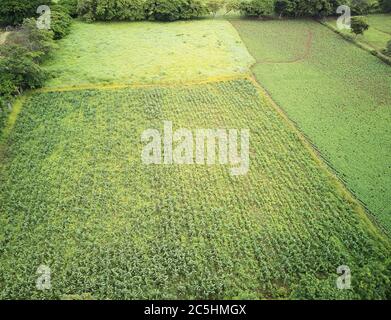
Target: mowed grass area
column 378, row 34
column 75, row 196
column 338, row 95
column 148, row 52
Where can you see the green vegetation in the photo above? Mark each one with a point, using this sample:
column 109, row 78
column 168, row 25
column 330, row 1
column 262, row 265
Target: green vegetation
column 148, row 52
column 20, row 58
column 388, row 49
column 377, row 35
column 71, row 6
column 338, row 94
column 171, row 10
column 60, row 22
column 14, row 11
column 75, row 196
column 137, row 10
column 256, row 8
column 385, row 5
column 359, row 25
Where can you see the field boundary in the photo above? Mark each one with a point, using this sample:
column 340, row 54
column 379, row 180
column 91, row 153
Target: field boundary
column 307, row 50
column 361, row 45
column 114, row 86
column 336, row 178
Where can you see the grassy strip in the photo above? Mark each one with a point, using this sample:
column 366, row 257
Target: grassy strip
column 359, row 44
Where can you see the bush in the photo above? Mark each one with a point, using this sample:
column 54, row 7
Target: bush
column 19, row 60
column 257, row 8
column 171, row 10
column 18, row 71
column 107, row 10
column 213, row 6
column 306, row 8
column 232, row 6
column 136, row 10
column 60, row 22
column 358, row 25
column 39, row 42
column 285, row 8
column 385, row 5
column 12, row 12
column 70, row 6
column 360, row 7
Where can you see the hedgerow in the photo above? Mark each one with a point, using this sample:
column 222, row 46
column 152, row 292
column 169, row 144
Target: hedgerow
column 385, row 5
column 24, row 50
column 257, row 8
column 60, row 21
column 136, row 10
column 71, row 7
column 171, row 10
column 13, row 12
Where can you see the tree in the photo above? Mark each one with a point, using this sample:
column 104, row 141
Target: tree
column 71, row 7
column 257, row 8
column 385, row 5
column 214, row 6
column 284, row 7
column 358, row 25
column 18, row 70
column 60, row 22
column 38, row 42
column 12, row 12
column 232, row 6
column 171, row 10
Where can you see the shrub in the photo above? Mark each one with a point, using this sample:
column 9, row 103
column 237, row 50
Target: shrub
column 19, row 70
column 232, row 6
column 306, row 8
column 360, row 7
column 39, row 42
column 70, row 6
column 19, row 60
column 107, row 10
column 385, row 5
column 60, row 22
column 213, row 6
column 171, row 10
column 358, row 25
column 285, row 7
column 13, row 12
column 257, row 8
column 133, row 10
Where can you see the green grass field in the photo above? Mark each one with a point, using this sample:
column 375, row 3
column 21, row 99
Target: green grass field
column 378, row 34
column 76, row 196
column 150, row 52
column 338, row 94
